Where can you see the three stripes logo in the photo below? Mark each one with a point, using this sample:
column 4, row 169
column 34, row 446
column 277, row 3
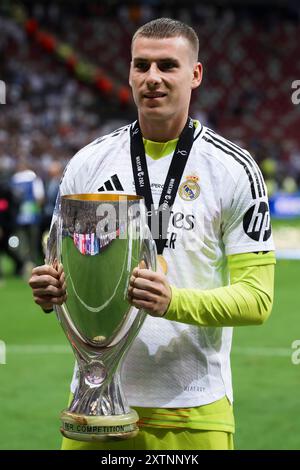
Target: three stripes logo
column 256, row 221
column 113, row 184
column 243, row 158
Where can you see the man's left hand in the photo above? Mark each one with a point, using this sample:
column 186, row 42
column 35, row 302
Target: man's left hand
column 149, row 290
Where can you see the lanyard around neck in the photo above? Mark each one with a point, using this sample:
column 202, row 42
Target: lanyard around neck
column 175, row 172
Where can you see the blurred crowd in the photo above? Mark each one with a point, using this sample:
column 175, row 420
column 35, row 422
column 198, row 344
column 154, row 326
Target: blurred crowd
column 250, row 61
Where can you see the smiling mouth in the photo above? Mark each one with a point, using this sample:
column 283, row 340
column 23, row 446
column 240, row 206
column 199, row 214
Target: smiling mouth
column 154, row 95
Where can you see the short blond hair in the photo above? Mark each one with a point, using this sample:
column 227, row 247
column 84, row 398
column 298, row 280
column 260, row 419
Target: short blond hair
column 168, row 28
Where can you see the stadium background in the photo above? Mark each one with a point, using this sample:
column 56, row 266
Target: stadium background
column 65, row 66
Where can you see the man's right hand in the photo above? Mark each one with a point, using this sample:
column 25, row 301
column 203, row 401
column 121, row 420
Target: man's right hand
column 48, row 286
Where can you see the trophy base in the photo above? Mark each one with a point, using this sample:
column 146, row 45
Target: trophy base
column 99, row 428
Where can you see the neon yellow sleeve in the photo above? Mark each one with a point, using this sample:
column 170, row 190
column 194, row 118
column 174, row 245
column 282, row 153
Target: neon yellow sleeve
column 246, row 301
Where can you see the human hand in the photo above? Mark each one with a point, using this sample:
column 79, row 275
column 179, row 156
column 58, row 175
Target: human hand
column 149, row 290
column 48, row 285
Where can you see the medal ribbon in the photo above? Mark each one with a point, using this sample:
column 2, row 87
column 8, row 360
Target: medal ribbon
column 175, row 172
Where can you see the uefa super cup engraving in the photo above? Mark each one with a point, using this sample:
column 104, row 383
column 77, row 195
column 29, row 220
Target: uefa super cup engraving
column 99, row 239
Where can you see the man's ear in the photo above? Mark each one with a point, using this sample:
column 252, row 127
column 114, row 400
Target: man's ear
column 129, row 78
column 197, row 75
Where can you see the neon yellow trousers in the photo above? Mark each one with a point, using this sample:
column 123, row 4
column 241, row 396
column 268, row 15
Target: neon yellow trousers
column 161, row 439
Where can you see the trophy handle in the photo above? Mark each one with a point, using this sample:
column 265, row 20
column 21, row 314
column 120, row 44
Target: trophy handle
column 148, row 250
column 51, row 247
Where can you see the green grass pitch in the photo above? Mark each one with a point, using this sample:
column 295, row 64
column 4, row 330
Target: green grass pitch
column 35, row 379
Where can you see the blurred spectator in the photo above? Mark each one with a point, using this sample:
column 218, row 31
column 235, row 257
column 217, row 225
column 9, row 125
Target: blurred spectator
column 289, row 185
column 53, row 178
column 250, row 61
column 8, row 211
column 29, row 190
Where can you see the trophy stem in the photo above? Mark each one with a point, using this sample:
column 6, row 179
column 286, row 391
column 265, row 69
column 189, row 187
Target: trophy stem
column 94, row 417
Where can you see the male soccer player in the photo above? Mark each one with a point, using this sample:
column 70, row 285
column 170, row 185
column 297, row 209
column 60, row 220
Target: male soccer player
column 218, row 254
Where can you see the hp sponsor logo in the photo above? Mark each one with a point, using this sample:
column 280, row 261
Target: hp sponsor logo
column 256, row 223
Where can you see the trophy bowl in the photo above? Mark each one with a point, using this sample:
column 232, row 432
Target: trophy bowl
column 99, row 239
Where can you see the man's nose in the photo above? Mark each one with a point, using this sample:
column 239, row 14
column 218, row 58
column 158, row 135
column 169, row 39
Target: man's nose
column 153, row 75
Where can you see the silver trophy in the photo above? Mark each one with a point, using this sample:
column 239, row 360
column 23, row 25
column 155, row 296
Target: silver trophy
column 99, row 239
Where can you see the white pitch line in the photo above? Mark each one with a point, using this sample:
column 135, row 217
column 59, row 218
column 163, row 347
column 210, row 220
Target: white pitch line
column 38, row 349
column 65, row 349
column 270, row 352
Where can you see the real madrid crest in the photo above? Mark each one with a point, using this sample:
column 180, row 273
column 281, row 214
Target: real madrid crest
column 189, row 189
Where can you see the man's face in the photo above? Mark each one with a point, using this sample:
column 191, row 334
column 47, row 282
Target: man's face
column 163, row 73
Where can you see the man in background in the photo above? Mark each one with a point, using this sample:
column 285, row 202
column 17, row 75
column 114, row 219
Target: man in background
column 8, row 212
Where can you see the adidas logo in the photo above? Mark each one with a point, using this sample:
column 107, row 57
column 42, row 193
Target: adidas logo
column 113, row 184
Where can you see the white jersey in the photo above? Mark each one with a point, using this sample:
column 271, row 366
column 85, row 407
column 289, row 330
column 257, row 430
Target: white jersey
column 221, row 209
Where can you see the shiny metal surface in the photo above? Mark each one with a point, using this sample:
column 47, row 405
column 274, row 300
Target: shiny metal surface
column 99, row 239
